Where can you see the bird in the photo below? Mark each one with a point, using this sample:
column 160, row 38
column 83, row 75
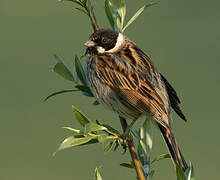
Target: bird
column 123, row 78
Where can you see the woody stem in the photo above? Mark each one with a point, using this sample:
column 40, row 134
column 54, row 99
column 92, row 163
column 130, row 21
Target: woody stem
column 131, row 147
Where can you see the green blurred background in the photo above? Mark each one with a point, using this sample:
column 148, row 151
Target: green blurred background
column 181, row 37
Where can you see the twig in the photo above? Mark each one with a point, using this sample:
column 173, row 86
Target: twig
column 131, row 147
column 91, row 14
column 94, row 22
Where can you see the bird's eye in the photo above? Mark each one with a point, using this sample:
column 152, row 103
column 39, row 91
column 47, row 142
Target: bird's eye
column 103, row 40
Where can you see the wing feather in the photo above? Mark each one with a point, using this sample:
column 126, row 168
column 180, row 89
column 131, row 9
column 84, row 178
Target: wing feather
column 134, row 85
column 174, row 99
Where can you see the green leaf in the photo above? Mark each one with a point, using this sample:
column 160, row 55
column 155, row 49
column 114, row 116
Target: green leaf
column 111, row 130
column 93, row 127
column 127, row 165
column 145, row 142
column 109, row 13
column 85, row 89
column 151, row 174
column 95, row 103
column 81, row 118
column 146, row 134
column 74, row 141
column 143, row 146
column 97, row 174
column 136, row 133
column 189, row 173
column 59, row 92
column 82, row 10
column 97, row 122
column 87, row 94
column 61, row 69
column 92, row 141
column 108, row 147
column 80, row 71
column 115, row 11
column 75, row 77
column 116, row 145
column 160, row 157
column 81, row 3
column 180, row 173
column 121, row 8
column 73, row 130
column 102, row 138
column 137, row 14
column 141, row 154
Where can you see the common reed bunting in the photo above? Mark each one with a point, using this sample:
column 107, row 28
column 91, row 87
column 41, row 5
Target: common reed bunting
column 123, row 78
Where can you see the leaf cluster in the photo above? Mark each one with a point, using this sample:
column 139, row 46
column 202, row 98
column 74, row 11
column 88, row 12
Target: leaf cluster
column 77, row 76
column 144, row 137
column 91, row 133
column 115, row 11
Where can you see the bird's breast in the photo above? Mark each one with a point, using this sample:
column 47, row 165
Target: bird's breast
column 104, row 93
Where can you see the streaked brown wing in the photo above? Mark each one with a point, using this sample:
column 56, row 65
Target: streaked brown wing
column 132, row 84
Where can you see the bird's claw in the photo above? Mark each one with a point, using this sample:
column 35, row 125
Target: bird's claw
column 124, row 142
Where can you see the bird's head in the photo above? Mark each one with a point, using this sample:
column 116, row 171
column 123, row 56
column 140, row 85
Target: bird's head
column 105, row 41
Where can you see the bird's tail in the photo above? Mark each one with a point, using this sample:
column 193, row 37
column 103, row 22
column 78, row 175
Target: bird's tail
column 174, row 150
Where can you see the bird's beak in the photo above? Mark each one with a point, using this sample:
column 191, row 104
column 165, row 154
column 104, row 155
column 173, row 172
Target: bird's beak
column 89, row 43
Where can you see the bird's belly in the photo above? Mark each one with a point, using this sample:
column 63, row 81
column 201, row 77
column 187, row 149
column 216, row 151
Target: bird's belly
column 108, row 98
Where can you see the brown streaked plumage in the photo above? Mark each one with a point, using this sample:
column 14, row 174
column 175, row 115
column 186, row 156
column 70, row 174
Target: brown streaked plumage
column 123, row 78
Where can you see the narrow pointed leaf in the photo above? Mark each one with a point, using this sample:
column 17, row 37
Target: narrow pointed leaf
column 82, row 10
column 92, row 141
column 121, row 9
column 189, row 173
column 60, row 92
column 127, row 165
column 84, row 89
column 80, row 71
column 72, row 129
column 61, row 69
column 75, row 1
column 81, row 118
column 116, row 145
column 95, row 103
column 115, row 10
column 108, row 147
column 179, row 173
column 141, row 154
column 137, row 14
column 192, row 172
column 160, row 157
column 151, row 174
column 97, row 174
column 145, row 141
column 143, row 146
column 102, row 138
column 92, row 127
column 75, row 76
column 73, row 141
column 148, row 134
column 111, row 129
column 87, row 94
column 136, row 133
column 109, row 13
column 98, row 122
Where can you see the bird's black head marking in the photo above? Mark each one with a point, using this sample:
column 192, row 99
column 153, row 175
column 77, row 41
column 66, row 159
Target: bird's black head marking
column 105, row 38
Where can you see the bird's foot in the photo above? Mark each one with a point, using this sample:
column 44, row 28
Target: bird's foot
column 124, row 138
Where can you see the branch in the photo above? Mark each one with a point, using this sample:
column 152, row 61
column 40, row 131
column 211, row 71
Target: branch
column 131, row 147
column 94, row 22
column 91, row 14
